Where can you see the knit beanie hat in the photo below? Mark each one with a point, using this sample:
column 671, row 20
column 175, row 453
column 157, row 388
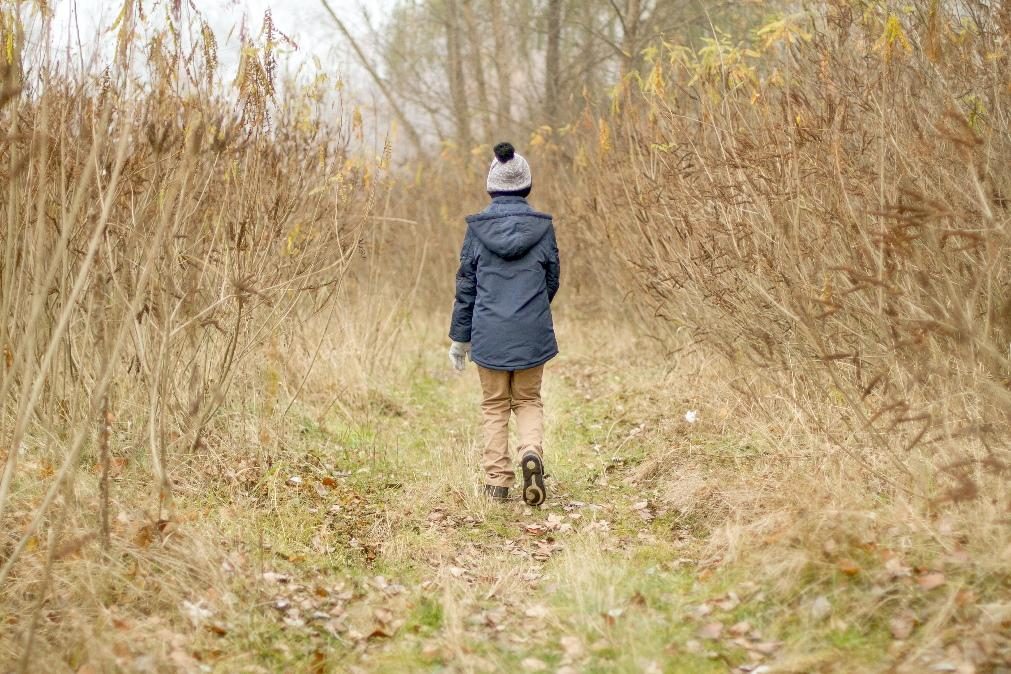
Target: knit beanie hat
column 509, row 171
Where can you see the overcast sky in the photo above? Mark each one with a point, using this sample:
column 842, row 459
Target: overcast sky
column 305, row 21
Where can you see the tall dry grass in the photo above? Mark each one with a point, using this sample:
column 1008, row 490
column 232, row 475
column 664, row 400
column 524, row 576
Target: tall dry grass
column 824, row 209
column 159, row 230
column 831, row 212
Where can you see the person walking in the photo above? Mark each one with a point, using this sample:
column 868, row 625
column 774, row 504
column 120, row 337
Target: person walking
column 509, row 274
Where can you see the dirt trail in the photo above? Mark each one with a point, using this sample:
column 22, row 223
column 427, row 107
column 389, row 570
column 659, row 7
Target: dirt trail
column 382, row 557
column 410, row 570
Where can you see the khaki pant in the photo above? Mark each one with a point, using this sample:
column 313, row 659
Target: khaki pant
column 518, row 392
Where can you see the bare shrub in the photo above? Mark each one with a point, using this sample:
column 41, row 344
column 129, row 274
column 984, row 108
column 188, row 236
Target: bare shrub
column 829, row 209
column 156, row 233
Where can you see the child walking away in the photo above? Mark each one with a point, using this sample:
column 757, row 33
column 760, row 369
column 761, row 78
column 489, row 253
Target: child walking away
column 508, row 275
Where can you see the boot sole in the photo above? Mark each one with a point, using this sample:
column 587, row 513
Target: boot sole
column 534, row 492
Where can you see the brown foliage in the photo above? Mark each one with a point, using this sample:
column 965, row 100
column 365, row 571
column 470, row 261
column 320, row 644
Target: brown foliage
column 830, row 216
column 155, row 233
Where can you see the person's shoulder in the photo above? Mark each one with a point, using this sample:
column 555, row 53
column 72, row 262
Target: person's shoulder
column 486, row 214
column 495, row 211
column 530, row 210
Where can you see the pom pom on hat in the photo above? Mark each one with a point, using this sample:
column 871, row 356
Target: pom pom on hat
column 504, row 152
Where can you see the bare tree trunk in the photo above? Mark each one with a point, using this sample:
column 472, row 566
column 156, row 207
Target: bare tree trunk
column 503, row 96
column 552, row 65
column 477, row 63
column 630, row 38
column 412, row 133
column 457, row 80
column 586, row 44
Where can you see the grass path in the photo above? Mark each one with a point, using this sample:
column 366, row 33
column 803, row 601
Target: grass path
column 350, row 537
column 373, row 552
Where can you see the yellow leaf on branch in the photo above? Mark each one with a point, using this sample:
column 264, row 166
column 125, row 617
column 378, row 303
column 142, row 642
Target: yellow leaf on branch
column 891, row 37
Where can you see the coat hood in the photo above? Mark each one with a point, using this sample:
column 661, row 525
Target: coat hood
column 509, row 227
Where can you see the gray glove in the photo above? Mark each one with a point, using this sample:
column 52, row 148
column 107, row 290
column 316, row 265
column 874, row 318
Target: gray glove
column 458, row 353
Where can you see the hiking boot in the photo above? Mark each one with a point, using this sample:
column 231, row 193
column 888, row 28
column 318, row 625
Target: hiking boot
column 534, row 492
column 496, row 493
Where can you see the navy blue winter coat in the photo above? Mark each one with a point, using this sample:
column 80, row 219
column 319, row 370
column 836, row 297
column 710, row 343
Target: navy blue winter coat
column 509, row 273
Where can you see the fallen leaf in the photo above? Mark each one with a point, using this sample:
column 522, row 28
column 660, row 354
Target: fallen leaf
column 182, row 660
column 848, row 567
column 573, row 647
column 117, row 465
column 380, row 632
column 320, row 545
column 535, row 529
column 217, row 629
column 821, row 607
column 901, row 626
column 543, row 550
column 318, row 664
column 73, row 546
column 694, row 647
column 766, row 647
column 741, row 628
column 197, row 613
column 537, row 611
column 711, row 630
column 896, row 569
column 533, row 665
column 728, row 602
column 637, row 599
column 702, row 610
column 929, row 581
column 964, row 597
